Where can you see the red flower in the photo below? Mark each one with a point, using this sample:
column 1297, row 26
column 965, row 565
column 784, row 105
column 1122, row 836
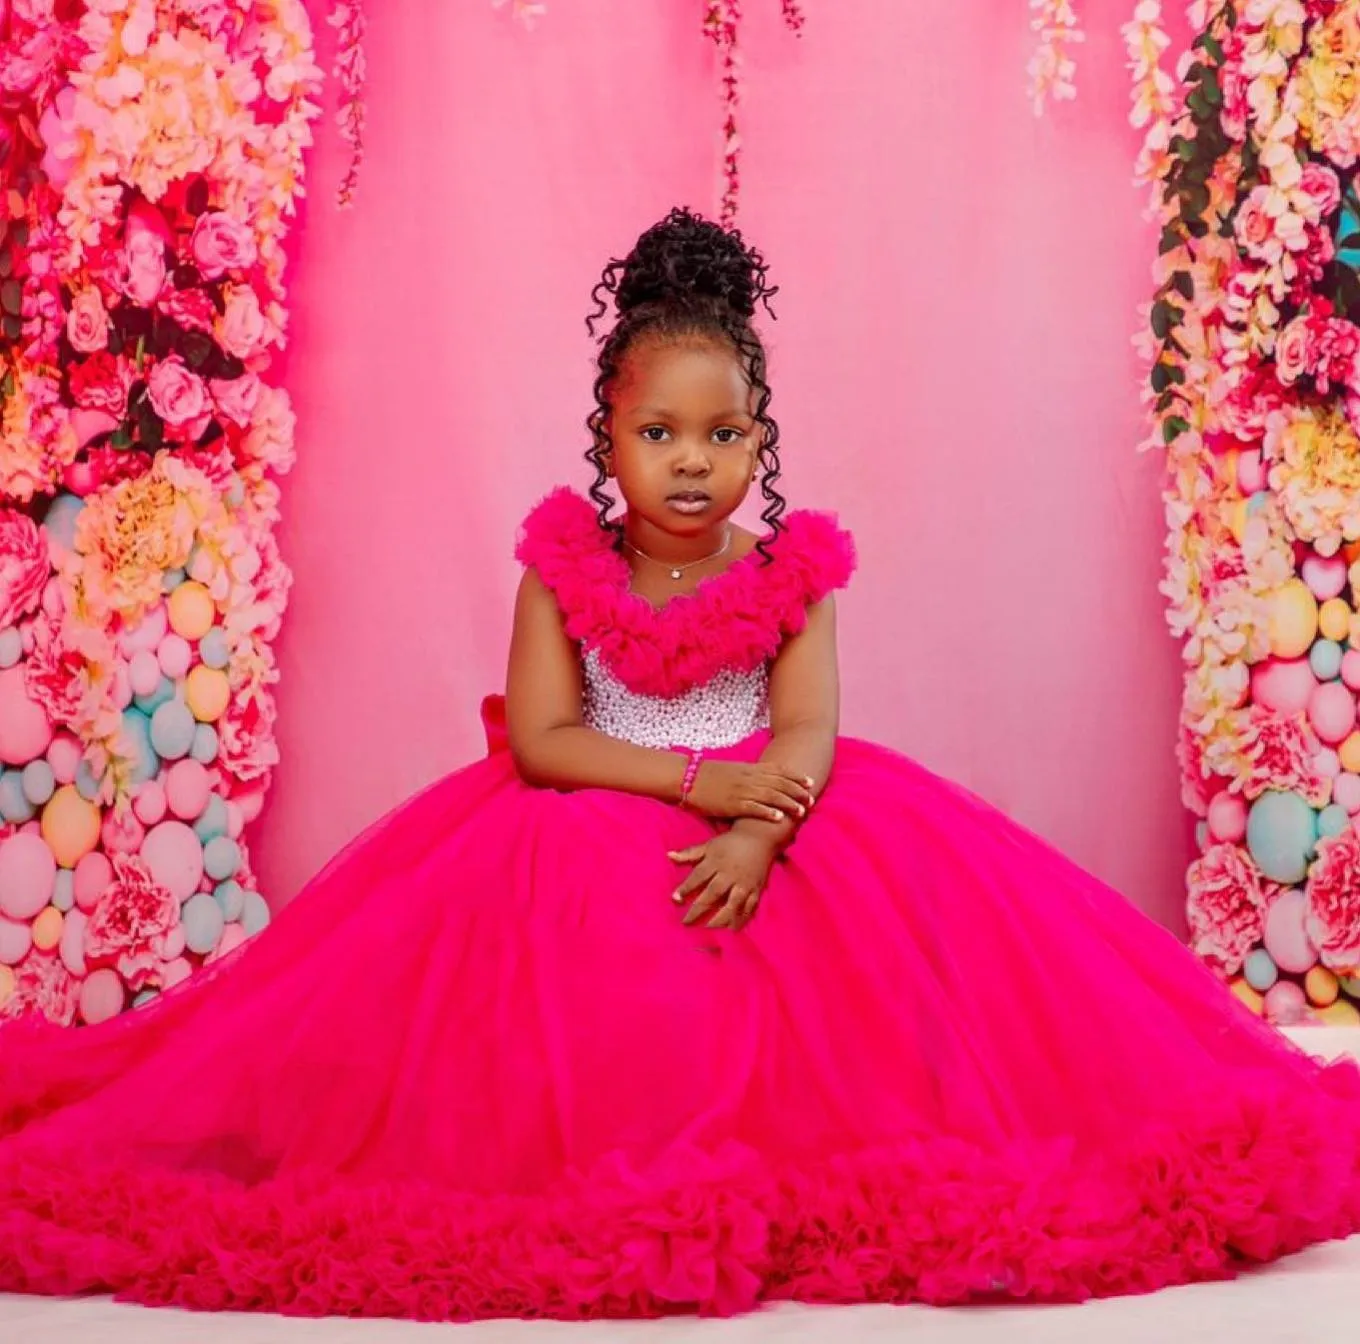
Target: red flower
column 24, row 566
column 1226, row 908
column 102, row 383
column 128, row 928
column 1333, row 918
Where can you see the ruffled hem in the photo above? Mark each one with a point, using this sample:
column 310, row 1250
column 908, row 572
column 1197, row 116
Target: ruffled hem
column 936, row 1220
column 736, row 620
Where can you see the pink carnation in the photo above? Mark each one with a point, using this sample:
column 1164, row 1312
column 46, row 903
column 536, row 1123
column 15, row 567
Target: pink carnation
column 24, row 566
column 55, row 675
column 1226, row 907
column 1194, row 776
column 1333, row 919
column 102, row 383
column 246, row 734
column 129, row 927
column 43, row 987
column 191, row 308
column 1283, row 753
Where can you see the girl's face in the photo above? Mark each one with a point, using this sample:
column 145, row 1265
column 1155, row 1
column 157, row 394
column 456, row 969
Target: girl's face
column 685, row 439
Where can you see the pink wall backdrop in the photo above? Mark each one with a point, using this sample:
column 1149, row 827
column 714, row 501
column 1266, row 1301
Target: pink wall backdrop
column 952, row 368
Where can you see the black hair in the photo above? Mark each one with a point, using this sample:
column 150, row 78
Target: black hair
column 685, row 277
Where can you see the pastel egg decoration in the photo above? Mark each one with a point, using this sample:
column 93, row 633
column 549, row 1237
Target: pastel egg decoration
column 28, row 872
column 1334, row 619
column 207, row 691
column 1259, row 970
column 1228, row 817
column 1325, row 659
column 1286, row 1004
column 171, row 730
column 192, row 611
column 1285, row 685
column 1282, row 835
column 1286, row 935
column 1331, row 711
column 175, row 857
column 1325, row 575
column 1293, row 619
column 70, row 825
column 25, row 730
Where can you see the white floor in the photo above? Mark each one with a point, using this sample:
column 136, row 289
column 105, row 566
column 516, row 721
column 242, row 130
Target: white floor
column 1312, row 1298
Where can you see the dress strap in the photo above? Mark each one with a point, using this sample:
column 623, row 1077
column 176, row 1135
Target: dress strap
column 734, row 621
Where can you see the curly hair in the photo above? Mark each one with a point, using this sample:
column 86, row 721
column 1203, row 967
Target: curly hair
column 685, row 277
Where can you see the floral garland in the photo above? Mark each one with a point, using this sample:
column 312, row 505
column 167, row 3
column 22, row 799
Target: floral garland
column 1254, row 394
column 1052, row 68
column 152, row 161
column 721, row 25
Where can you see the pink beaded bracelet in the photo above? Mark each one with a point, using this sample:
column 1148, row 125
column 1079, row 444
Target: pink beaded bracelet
column 696, row 759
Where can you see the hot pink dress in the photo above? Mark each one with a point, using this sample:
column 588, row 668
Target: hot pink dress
column 479, row 1067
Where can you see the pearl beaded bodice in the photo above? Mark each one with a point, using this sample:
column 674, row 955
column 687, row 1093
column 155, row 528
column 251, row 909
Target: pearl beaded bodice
column 722, row 712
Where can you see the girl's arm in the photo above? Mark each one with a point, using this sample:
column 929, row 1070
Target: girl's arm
column 551, row 747
column 805, row 701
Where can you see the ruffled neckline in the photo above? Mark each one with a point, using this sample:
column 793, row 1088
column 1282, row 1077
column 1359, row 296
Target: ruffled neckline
column 734, row 620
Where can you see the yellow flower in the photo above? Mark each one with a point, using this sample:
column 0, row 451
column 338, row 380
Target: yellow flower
column 1316, row 471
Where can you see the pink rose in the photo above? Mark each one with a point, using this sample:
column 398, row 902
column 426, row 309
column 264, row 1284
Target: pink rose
column 143, row 271
column 1333, row 919
column 236, row 398
column 129, row 928
column 191, row 308
column 220, row 244
column 1226, row 907
column 1321, row 191
column 43, row 987
column 1294, row 350
column 102, row 383
column 177, row 393
column 241, row 330
column 87, row 324
column 1256, row 229
column 24, row 565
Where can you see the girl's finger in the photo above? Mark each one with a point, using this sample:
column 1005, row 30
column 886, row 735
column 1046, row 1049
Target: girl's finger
column 729, row 916
column 753, row 807
column 691, row 855
column 693, row 882
column 706, row 900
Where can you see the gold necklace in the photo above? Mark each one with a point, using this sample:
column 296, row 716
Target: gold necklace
column 678, row 571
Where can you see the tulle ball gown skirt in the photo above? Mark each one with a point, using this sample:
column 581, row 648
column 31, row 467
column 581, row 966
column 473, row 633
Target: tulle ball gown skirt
column 480, row 1068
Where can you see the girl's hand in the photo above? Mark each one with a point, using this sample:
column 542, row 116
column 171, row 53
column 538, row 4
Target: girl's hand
column 730, row 872
column 730, row 789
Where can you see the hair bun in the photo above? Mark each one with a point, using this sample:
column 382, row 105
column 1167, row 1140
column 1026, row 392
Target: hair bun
column 685, row 257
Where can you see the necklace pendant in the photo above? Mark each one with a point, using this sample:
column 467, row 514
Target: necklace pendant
column 675, row 574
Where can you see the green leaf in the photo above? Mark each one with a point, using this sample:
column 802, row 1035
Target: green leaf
column 1165, row 318
column 1184, row 285
column 7, row 384
column 121, row 437
column 12, row 297
column 1164, row 401
column 1173, row 428
column 1209, row 86
column 1160, row 379
column 13, row 327
column 1198, row 107
column 1213, row 46
column 1182, row 148
column 1171, row 240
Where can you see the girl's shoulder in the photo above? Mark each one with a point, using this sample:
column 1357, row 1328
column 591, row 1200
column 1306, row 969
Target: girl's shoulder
column 737, row 619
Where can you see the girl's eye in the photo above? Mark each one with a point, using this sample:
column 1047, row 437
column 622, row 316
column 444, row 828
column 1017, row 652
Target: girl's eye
column 653, row 430
column 735, row 436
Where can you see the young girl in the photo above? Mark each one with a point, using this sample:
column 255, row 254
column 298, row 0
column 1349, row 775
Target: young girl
column 676, row 1001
